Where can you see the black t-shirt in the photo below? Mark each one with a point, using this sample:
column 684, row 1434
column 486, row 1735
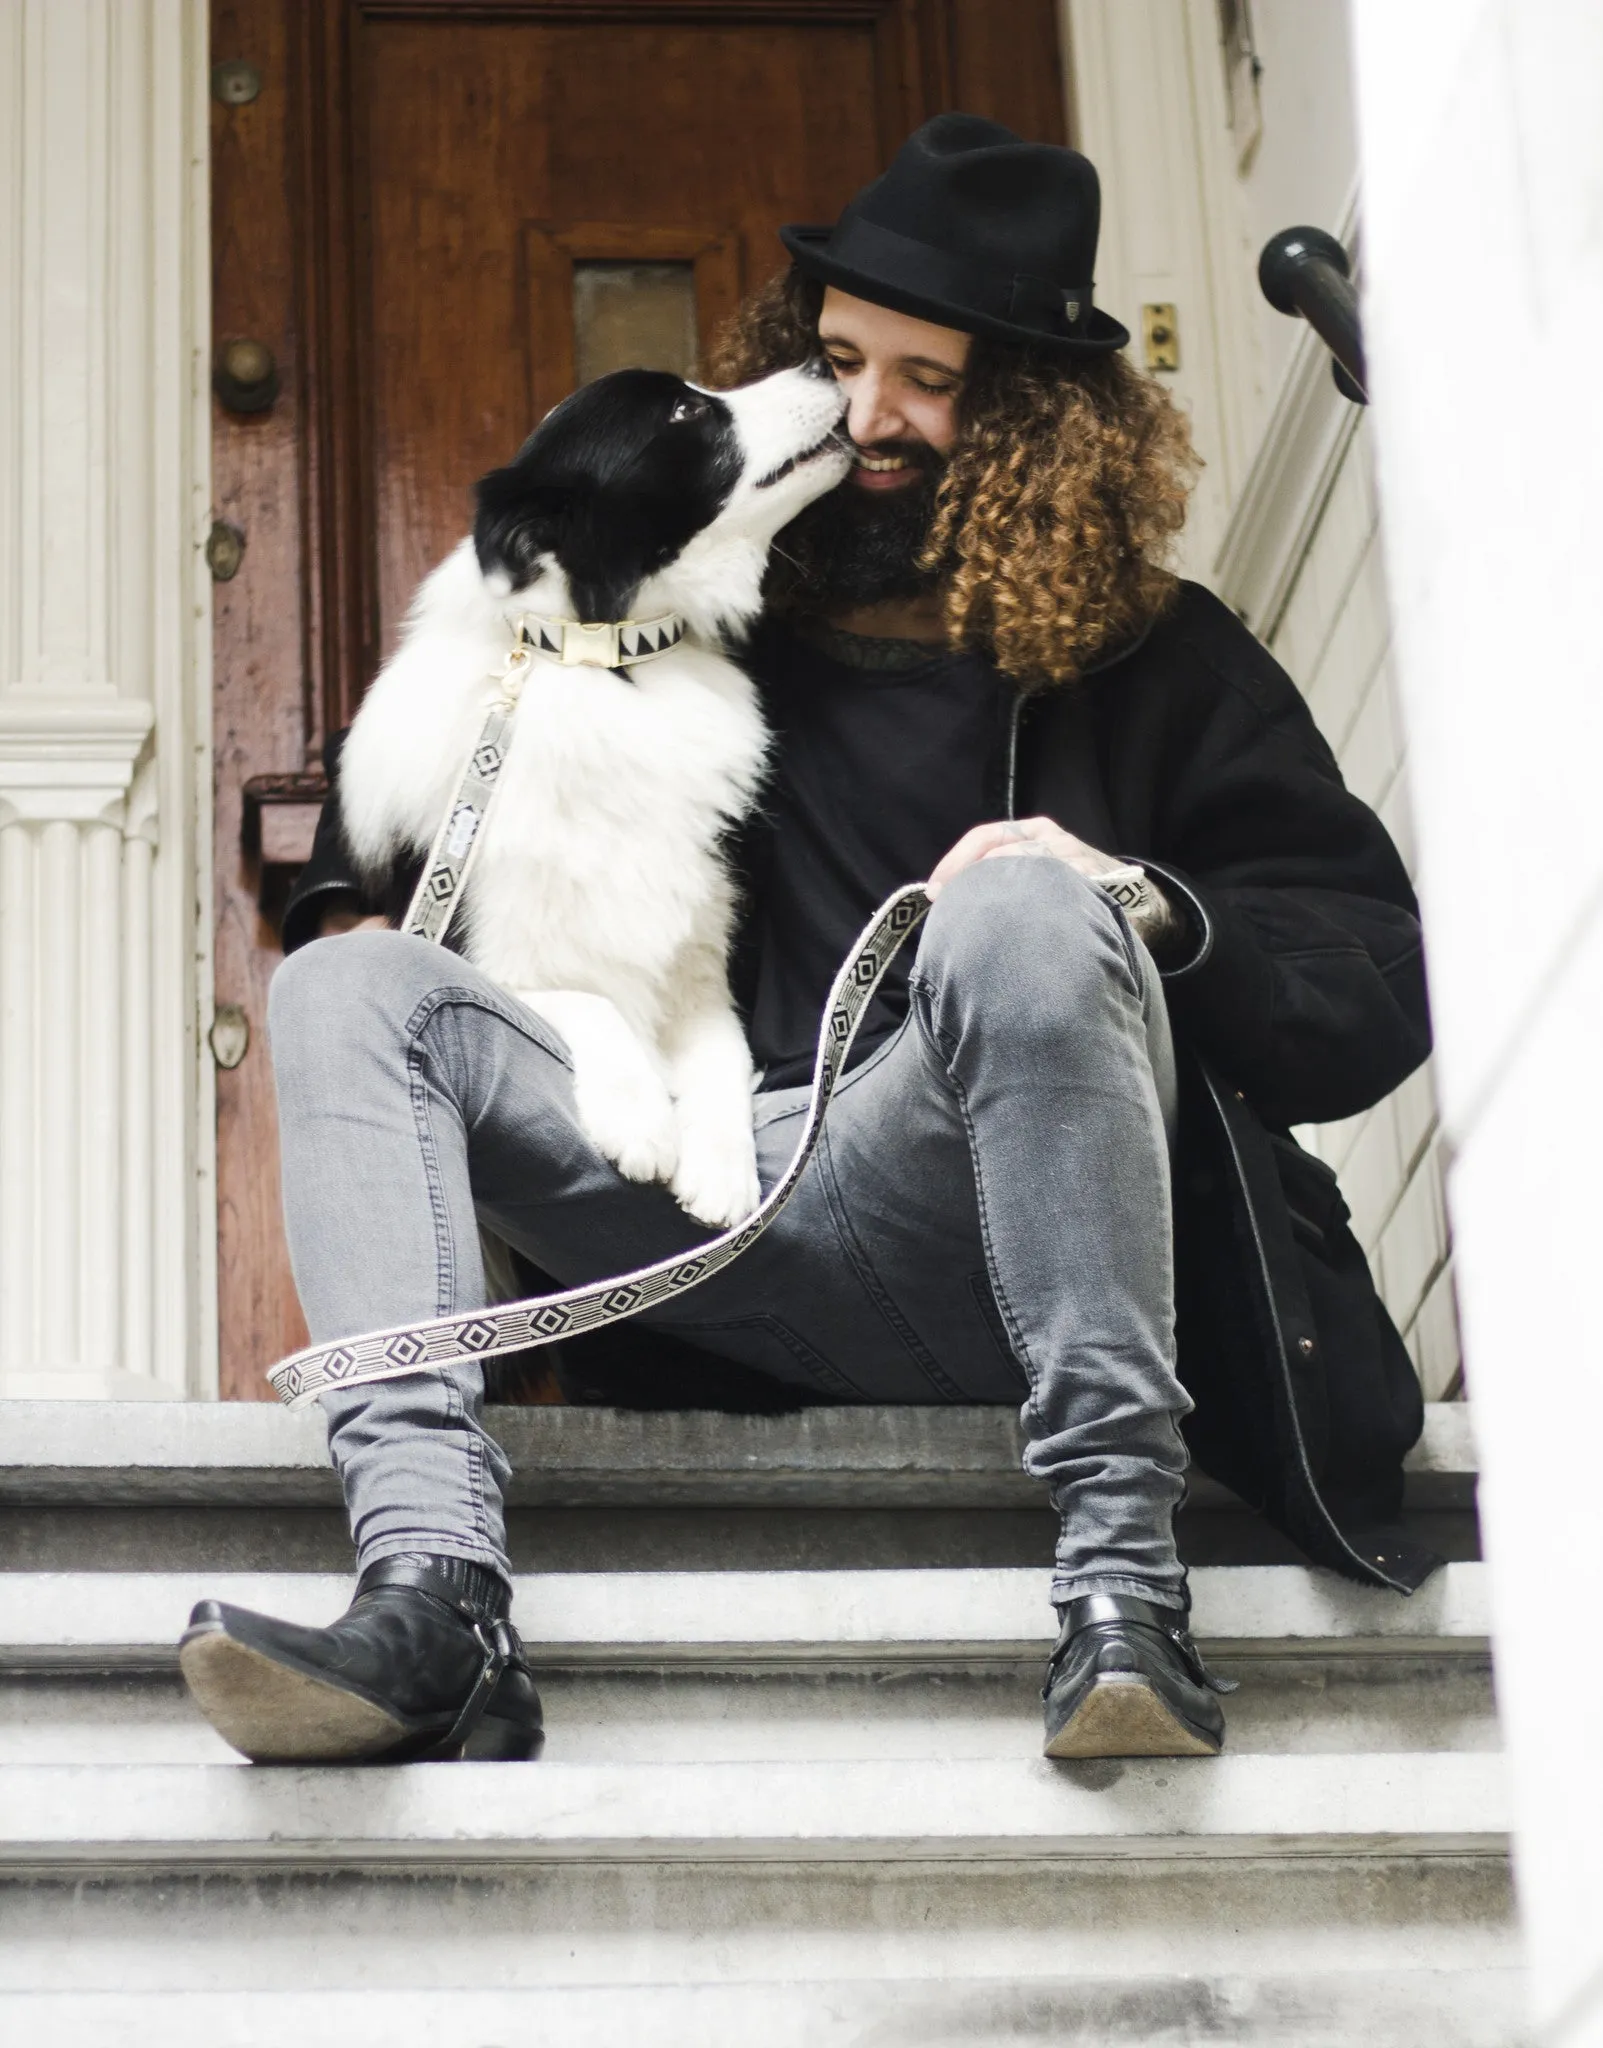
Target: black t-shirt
column 881, row 764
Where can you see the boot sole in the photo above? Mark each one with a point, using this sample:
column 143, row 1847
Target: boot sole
column 1127, row 1717
column 274, row 1714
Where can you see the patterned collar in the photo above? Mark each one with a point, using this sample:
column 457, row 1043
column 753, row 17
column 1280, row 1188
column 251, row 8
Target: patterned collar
column 617, row 643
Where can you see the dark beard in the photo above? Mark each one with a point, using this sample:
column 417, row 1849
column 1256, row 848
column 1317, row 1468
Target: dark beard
column 855, row 547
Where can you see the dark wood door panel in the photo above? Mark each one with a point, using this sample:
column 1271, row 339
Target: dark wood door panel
column 397, row 214
column 535, row 128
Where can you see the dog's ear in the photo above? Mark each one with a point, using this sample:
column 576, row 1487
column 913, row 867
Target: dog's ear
column 518, row 521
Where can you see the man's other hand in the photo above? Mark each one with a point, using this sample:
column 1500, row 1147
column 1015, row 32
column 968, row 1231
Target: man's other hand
column 1012, row 837
column 1043, row 839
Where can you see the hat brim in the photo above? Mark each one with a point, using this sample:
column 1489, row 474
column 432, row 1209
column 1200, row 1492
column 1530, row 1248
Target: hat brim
column 806, row 245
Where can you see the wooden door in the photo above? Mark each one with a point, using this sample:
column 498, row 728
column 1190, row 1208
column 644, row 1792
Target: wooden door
column 425, row 215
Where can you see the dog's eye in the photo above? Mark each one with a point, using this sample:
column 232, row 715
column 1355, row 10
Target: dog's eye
column 688, row 409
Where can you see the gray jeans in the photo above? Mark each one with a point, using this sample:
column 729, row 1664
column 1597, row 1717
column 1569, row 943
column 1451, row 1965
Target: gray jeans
column 985, row 1219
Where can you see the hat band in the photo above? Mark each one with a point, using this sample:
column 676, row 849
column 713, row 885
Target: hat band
column 919, row 267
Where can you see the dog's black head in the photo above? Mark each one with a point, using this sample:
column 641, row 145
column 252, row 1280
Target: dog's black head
column 614, row 484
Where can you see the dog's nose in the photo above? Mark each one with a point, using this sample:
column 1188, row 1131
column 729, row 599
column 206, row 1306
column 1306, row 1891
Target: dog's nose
column 817, row 366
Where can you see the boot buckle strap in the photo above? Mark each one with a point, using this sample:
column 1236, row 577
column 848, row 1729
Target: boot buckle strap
column 501, row 1647
column 1100, row 1610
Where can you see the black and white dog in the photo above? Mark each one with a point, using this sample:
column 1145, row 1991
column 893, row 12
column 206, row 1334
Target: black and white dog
column 599, row 896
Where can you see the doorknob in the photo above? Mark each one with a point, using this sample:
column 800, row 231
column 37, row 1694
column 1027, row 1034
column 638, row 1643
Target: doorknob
column 246, row 376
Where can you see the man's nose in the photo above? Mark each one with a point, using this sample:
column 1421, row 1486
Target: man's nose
column 870, row 414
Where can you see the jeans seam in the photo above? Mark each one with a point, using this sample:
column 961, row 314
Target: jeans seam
column 1005, row 1309
column 431, row 1007
column 870, row 1283
column 1021, row 1349
column 444, row 1243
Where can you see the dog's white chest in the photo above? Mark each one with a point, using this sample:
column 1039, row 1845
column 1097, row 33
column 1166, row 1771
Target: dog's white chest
column 603, row 838
column 600, row 852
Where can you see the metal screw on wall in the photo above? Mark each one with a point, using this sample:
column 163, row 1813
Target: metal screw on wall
column 225, row 550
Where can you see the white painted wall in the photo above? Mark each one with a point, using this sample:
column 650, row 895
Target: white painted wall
column 1482, row 133
column 105, row 1223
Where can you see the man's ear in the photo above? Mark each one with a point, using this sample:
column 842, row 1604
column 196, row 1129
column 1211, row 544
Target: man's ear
column 518, row 521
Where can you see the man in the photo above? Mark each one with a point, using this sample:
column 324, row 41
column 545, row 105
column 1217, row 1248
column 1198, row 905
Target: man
column 1161, row 927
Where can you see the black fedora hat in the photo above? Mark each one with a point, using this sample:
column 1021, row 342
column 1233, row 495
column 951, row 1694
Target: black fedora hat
column 973, row 228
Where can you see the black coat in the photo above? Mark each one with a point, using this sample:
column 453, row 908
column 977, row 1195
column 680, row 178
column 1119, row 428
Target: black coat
column 1298, row 997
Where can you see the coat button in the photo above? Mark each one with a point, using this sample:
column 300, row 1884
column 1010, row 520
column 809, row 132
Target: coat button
column 1306, row 1346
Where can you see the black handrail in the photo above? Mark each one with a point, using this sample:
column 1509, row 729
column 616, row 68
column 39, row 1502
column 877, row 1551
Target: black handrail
column 1306, row 271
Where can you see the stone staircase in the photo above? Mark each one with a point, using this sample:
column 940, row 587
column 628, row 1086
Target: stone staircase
column 792, row 1792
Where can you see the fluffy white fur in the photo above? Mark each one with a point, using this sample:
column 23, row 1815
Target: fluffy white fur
column 599, row 897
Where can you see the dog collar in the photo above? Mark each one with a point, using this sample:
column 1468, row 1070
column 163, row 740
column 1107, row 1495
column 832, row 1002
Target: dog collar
column 616, row 643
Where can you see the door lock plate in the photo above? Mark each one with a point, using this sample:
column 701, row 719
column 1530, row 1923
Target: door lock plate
column 1160, row 337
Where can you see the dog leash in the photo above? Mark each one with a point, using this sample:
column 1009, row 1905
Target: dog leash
column 545, row 1318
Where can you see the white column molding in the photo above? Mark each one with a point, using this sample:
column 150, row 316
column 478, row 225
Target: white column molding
column 69, row 757
column 104, row 698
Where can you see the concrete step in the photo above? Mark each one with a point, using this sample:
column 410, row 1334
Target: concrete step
column 446, row 1816
column 1269, row 1898
column 802, row 1803
column 244, row 1454
column 133, row 1620
column 1322, row 1949
column 1466, row 2008
column 671, row 1667
column 143, row 1486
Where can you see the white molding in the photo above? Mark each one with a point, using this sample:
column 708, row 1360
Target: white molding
column 107, row 1384
column 1134, row 113
column 105, row 1104
column 69, row 757
column 1300, row 452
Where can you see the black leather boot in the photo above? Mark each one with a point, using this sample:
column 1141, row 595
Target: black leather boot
column 423, row 1664
column 1127, row 1680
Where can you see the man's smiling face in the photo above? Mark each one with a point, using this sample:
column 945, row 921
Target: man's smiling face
column 862, row 542
column 901, row 377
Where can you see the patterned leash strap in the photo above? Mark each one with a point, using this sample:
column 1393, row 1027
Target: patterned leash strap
column 450, row 858
column 545, row 1318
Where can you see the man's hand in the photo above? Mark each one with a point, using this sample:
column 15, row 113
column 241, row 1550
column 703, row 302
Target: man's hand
column 1042, row 839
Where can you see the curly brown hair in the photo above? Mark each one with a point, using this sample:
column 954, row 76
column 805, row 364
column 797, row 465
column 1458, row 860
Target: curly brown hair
column 1056, row 507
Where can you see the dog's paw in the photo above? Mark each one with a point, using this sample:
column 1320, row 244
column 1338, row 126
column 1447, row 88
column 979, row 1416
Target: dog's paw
column 716, row 1178
column 628, row 1115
